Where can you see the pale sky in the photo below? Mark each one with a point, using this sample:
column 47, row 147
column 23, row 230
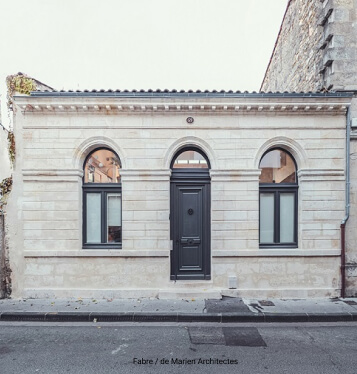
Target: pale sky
column 139, row 44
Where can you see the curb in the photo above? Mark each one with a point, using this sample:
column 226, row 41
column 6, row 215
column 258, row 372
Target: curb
column 176, row 317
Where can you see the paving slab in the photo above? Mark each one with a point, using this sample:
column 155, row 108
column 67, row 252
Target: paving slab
column 299, row 306
column 102, row 305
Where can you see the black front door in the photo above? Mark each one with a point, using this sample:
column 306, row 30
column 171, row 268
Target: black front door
column 190, row 229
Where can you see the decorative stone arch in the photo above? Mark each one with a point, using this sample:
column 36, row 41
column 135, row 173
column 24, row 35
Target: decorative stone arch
column 187, row 142
column 89, row 145
column 290, row 145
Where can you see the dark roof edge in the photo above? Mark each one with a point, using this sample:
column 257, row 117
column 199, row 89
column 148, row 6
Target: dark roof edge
column 185, row 94
column 275, row 45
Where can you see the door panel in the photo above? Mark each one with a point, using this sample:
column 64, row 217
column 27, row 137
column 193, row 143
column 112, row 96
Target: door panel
column 190, row 221
column 190, row 258
column 190, row 228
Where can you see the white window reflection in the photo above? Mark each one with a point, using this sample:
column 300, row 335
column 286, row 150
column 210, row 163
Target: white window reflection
column 93, row 217
column 113, row 218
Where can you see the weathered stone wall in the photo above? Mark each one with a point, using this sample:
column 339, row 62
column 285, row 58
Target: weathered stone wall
column 339, row 60
column 295, row 62
column 316, row 48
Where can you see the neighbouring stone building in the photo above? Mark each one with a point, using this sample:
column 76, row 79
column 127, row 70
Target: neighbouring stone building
column 177, row 194
column 316, row 50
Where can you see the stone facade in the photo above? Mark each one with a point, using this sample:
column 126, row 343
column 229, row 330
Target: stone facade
column 316, row 49
column 55, row 132
column 295, row 63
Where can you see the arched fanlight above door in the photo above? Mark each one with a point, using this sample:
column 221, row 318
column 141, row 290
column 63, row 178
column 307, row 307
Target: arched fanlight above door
column 190, row 158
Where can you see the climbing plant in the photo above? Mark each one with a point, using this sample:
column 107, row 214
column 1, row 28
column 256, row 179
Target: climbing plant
column 20, row 83
column 11, row 146
column 5, row 186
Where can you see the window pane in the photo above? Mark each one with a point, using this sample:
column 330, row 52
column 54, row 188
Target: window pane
column 190, row 159
column 114, row 218
column 266, row 218
column 277, row 167
column 287, row 214
column 93, row 217
column 102, row 167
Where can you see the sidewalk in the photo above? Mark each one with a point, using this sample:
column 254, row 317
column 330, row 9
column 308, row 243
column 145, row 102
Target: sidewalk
column 154, row 310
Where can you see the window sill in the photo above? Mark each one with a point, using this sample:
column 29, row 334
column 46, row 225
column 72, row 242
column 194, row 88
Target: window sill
column 99, row 253
column 109, row 247
column 278, row 252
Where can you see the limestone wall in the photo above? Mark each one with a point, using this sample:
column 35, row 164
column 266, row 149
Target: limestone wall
column 45, row 206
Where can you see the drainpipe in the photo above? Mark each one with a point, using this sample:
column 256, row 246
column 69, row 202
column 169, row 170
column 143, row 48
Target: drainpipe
column 345, row 219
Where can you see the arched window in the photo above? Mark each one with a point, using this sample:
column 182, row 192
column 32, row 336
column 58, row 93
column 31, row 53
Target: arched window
column 102, row 226
column 278, row 200
column 190, row 159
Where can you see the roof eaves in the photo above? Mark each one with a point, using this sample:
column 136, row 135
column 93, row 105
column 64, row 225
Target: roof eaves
column 186, row 94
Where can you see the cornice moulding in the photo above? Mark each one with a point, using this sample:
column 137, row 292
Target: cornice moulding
column 302, row 106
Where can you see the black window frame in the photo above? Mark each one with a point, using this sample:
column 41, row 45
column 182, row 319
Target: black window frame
column 104, row 189
column 277, row 189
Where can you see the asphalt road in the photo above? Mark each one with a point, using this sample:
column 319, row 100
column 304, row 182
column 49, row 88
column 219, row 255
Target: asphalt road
column 178, row 348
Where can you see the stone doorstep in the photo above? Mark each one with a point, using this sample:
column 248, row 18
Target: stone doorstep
column 192, row 294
